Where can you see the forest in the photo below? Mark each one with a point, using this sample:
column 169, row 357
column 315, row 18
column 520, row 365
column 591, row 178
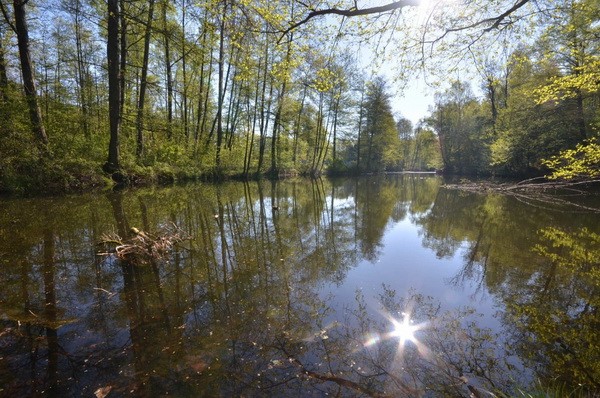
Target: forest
column 96, row 93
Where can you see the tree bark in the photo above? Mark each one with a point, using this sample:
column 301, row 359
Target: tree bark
column 3, row 75
column 360, row 126
column 264, row 108
column 82, row 75
column 35, row 114
column 144, row 83
column 277, row 120
column 122, row 27
column 491, row 92
column 201, row 109
column 184, row 92
column 114, row 88
column 167, row 42
column 220, row 88
column 297, row 126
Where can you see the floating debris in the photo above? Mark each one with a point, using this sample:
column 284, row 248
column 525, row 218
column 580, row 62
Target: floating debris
column 143, row 247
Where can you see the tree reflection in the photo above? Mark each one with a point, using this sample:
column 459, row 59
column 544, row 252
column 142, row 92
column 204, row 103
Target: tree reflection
column 556, row 315
column 239, row 310
column 453, row 357
column 547, row 279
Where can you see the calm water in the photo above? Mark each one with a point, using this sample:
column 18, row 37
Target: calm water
column 380, row 286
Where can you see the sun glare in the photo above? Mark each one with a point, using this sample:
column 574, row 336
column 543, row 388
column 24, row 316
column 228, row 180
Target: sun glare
column 405, row 330
column 402, row 331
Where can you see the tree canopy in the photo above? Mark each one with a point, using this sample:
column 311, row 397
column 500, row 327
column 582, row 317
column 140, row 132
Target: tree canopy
column 174, row 89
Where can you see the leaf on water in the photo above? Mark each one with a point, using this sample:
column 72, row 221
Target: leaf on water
column 103, row 391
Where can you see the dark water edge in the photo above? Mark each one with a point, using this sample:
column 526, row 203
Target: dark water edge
column 300, row 288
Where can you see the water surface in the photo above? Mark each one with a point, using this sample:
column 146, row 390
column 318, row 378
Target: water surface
column 378, row 286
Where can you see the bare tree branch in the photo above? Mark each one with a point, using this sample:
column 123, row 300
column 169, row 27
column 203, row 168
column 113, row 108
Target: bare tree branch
column 7, row 17
column 353, row 12
column 493, row 22
column 505, row 14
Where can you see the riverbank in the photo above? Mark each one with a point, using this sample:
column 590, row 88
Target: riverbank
column 47, row 176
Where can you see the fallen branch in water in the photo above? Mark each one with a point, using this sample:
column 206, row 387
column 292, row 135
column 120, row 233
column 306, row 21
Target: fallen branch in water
column 538, row 190
column 143, row 247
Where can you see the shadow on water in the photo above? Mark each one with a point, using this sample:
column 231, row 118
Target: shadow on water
column 245, row 308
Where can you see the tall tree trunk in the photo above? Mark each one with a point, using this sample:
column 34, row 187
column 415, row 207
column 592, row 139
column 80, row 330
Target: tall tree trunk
column 360, row 125
column 251, row 130
column 264, row 109
column 144, row 83
column 277, row 120
column 324, row 149
column 318, row 133
column 580, row 116
column 297, row 126
column 234, row 115
column 201, row 108
column 251, row 125
column 336, row 110
column 168, row 67
column 184, row 96
column 122, row 22
column 81, row 72
column 3, row 75
column 491, row 92
column 35, row 114
column 114, row 87
column 265, row 125
column 220, row 88
column 206, row 97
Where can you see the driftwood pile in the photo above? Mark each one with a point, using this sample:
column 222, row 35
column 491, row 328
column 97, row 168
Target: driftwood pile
column 143, row 247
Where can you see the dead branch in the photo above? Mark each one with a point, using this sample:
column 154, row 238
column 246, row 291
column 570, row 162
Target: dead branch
column 537, row 190
column 352, row 12
column 143, row 247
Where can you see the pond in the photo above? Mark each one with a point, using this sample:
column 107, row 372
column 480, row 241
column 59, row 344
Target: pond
column 377, row 286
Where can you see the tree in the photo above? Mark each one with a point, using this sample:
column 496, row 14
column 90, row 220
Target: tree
column 144, row 82
column 405, row 132
column 527, row 131
column 166, row 31
column 382, row 142
column 3, row 75
column 114, row 86
column 583, row 162
column 571, row 45
column 22, row 32
column 425, row 151
column 461, row 128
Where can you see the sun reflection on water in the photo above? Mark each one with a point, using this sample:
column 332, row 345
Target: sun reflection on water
column 404, row 330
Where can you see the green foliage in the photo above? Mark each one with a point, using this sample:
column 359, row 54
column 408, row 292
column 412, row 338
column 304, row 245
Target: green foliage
column 462, row 128
column 581, row 162
column 567, row 326
column 583, row 79
column 381, row 143
column 424, row 151
column 294, row 101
